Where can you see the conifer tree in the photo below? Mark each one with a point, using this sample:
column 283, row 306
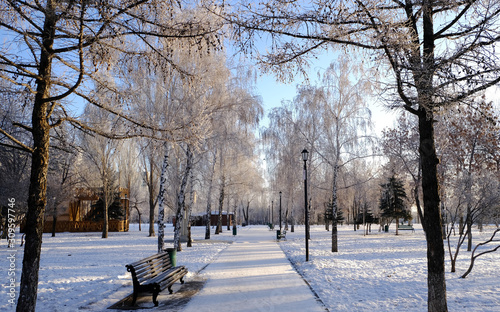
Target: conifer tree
column 393, row 200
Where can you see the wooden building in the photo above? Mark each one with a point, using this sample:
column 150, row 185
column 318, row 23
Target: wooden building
column 198, row 220
column 85, row 213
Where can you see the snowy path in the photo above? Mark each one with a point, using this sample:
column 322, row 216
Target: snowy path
column 253, row 274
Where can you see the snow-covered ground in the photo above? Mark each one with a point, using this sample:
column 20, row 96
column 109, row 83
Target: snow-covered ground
column 385, row 272
column 377, row 272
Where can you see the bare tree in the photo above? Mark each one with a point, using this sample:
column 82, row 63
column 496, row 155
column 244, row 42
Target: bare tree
column 346, row 118
column 101, row 153
column 438, row 53
column 14, row 161
column 59, row 46
column 400, row 145
column 149, row 163
column 331, row 119
column 208, row 211
column 475, row 256
column 62, row 174
column 181, row 197
column 473, row 140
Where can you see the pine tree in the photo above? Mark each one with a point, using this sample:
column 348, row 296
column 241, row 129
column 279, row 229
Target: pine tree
column 393, row 200
column 329, row 213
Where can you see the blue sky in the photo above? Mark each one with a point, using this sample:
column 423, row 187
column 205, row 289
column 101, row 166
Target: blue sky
column 274, row 92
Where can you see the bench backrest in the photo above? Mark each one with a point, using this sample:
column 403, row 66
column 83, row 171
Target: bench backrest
column 149, row 267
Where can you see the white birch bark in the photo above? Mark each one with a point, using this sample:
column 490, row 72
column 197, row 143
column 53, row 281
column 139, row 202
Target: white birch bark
column 190, row 207
column 218, row 228
column 181, row 199
column 161, row 201
column 209, row 198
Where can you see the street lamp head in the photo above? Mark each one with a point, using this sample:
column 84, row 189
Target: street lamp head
column 280, row 193
column 305, row 154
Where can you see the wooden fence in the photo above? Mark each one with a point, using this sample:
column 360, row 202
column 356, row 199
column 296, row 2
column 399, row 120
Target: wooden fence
column 86, row 226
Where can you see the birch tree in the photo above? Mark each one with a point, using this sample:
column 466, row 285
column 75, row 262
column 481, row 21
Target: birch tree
column 54, row 50
column 331, row 119
column 208, row 211
column 434, row 54
column 346, row 117
column 181, row 197
column 149, row 162
column 162, row 200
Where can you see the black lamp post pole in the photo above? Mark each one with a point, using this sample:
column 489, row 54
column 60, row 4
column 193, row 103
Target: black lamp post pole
column 305, row 153
column 280, row 212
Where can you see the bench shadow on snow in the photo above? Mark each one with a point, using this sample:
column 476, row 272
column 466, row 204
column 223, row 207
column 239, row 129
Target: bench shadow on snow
column 171, row 302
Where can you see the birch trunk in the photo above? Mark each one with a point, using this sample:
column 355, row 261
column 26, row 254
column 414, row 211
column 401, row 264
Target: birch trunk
column 221, row 204
column 181, row 200
column 209, row 199
column 190, row 208
column 161, row 201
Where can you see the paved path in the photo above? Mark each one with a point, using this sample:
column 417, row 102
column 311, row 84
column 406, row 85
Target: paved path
column 253, row 274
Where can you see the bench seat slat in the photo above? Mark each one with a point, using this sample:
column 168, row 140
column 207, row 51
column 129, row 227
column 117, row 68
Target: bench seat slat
column 154, row 274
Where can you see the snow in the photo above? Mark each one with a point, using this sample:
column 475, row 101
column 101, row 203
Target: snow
column 253, row 275
column 376, row 272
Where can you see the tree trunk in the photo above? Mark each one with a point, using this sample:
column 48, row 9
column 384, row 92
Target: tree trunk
column 36, row 209
column 208, row 216
column 162, row 200
column 286, row 218
column 152, row 203
column 247, row 220
column 139, row 214
column 245, row 215
column 190, row 208
column 468, row 221
column 54, row 221
column 229, row 223
column 181, row 199
column 218, row 228
column 106, row 194
column 334, row 209
column 432, row 222
column 37, row 194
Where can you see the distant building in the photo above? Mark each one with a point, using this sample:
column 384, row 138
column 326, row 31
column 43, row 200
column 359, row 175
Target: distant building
column 198, row 220
column 85, row 213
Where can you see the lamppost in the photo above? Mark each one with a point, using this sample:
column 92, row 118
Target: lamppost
column 305, row 154
column 280, row 212
column 272, row 213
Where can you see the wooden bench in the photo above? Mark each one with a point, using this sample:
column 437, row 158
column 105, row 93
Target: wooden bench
column 404, row 227
column 154, row 274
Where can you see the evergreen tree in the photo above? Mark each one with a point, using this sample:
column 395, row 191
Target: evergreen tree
column 329, row 213
column 393, row 200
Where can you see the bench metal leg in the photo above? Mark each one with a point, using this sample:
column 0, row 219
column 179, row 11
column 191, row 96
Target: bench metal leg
column 134, row 298
column 155, row 300
column 156, row 291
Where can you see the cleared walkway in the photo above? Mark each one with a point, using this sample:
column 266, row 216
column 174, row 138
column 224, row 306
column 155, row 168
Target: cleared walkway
column 253, row 274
